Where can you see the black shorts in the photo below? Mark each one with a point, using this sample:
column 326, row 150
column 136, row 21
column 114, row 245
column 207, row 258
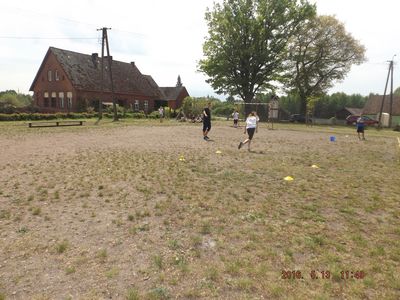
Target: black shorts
column 360, row 129
column 206, row 125
column 250, row 132
column 235, row 122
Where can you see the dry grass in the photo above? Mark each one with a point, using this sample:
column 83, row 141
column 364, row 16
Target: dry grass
column 110, row 211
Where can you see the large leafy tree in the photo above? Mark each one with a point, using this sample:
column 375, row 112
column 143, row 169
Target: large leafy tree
column 247, row 42
column 321, row 54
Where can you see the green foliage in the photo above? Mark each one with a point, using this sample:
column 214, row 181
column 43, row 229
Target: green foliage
column 193, row 106
column 11, row 101
column 223, row 109
column 138, row 115
column 246, row 44
column 41, row 117
column 397, row 91
column 319, row 55
column 324, row 106
column 153, row 115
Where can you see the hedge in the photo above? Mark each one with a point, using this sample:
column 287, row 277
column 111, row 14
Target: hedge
column 39, row 116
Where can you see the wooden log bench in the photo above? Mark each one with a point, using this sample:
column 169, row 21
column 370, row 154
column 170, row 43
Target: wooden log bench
column 55, row 123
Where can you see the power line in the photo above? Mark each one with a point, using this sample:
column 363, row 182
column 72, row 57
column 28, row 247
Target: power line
column 46, row 38
column 19, row 10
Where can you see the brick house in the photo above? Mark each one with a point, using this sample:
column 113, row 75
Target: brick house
column 69, row 81
column 373, row 105
column 174, row 96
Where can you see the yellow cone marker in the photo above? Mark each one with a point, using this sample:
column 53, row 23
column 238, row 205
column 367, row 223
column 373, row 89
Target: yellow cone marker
column 288, row 178
column 218, row 152
column 314, row 167
column 181, row 158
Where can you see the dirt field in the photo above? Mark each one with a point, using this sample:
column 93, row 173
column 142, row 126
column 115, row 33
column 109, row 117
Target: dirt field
column 145, row 210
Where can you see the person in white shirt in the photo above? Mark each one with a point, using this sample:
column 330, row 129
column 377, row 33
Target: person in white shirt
column 161, row 113
column 235, row 116
column 251, row 127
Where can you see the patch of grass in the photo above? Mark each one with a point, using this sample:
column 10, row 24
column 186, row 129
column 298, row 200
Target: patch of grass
column 36, row 211
column 244, row 284
column 22, row 229
column 314, row 241
column 70, row 270
column 233, row 267
column 359, row 240
column 158, row 261
column 173, row 245
column 62, row 247
column 377, row 251
column 143, row 227
column 102, row 255
column 205, row 228
column 347, row 210
column 158, row 293
column 112, row 273
column 132, row 294
column 5, row 214
column 212, row 274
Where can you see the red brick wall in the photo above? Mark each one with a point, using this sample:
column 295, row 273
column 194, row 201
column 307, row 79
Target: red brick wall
column 63, row 84
column 79, row 98
column 126, row 100
column 182, row 95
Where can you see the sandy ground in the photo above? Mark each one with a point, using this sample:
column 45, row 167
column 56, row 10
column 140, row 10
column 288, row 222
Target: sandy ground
column 85, row 183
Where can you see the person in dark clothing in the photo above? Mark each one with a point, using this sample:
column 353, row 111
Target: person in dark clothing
column 206, row 121
column 360, row 128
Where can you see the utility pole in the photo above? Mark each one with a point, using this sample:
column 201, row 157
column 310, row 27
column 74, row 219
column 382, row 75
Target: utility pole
column 390, row 72
column 391, row 93
column 104, row 40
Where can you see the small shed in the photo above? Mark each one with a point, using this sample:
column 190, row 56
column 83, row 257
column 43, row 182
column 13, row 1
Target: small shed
column 347, row 111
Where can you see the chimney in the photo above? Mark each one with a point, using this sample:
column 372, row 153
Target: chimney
column 133, row 63
column 95, row 56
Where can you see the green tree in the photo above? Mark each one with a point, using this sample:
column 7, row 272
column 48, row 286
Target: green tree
column 246, row 44
column 230, row 99
column 397, row 91
column 11, row 100
column 319, row 55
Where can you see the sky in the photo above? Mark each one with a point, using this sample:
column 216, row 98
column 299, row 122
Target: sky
column 165, row 38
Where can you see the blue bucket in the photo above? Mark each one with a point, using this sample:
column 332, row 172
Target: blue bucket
column 332, row 138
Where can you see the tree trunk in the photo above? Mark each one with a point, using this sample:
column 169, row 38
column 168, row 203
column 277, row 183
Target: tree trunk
column 247, row 108
column 303, row 104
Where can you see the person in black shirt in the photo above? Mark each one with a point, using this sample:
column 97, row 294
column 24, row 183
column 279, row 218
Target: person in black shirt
column 206, row 121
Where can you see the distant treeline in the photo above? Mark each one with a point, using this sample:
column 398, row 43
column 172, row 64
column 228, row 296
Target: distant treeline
column 325, row 107
column 11, row 102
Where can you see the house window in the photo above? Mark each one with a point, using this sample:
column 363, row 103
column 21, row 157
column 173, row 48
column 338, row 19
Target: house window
column 69, row 99
column 46, row 99
column 61, row 97
column 146, row 106
column 56, row 76
column 136, row 105
column 53, row 99
column 49, row 75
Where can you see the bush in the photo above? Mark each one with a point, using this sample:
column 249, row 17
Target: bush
column 138, row 115
column 154, row 115
column 43, row 117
